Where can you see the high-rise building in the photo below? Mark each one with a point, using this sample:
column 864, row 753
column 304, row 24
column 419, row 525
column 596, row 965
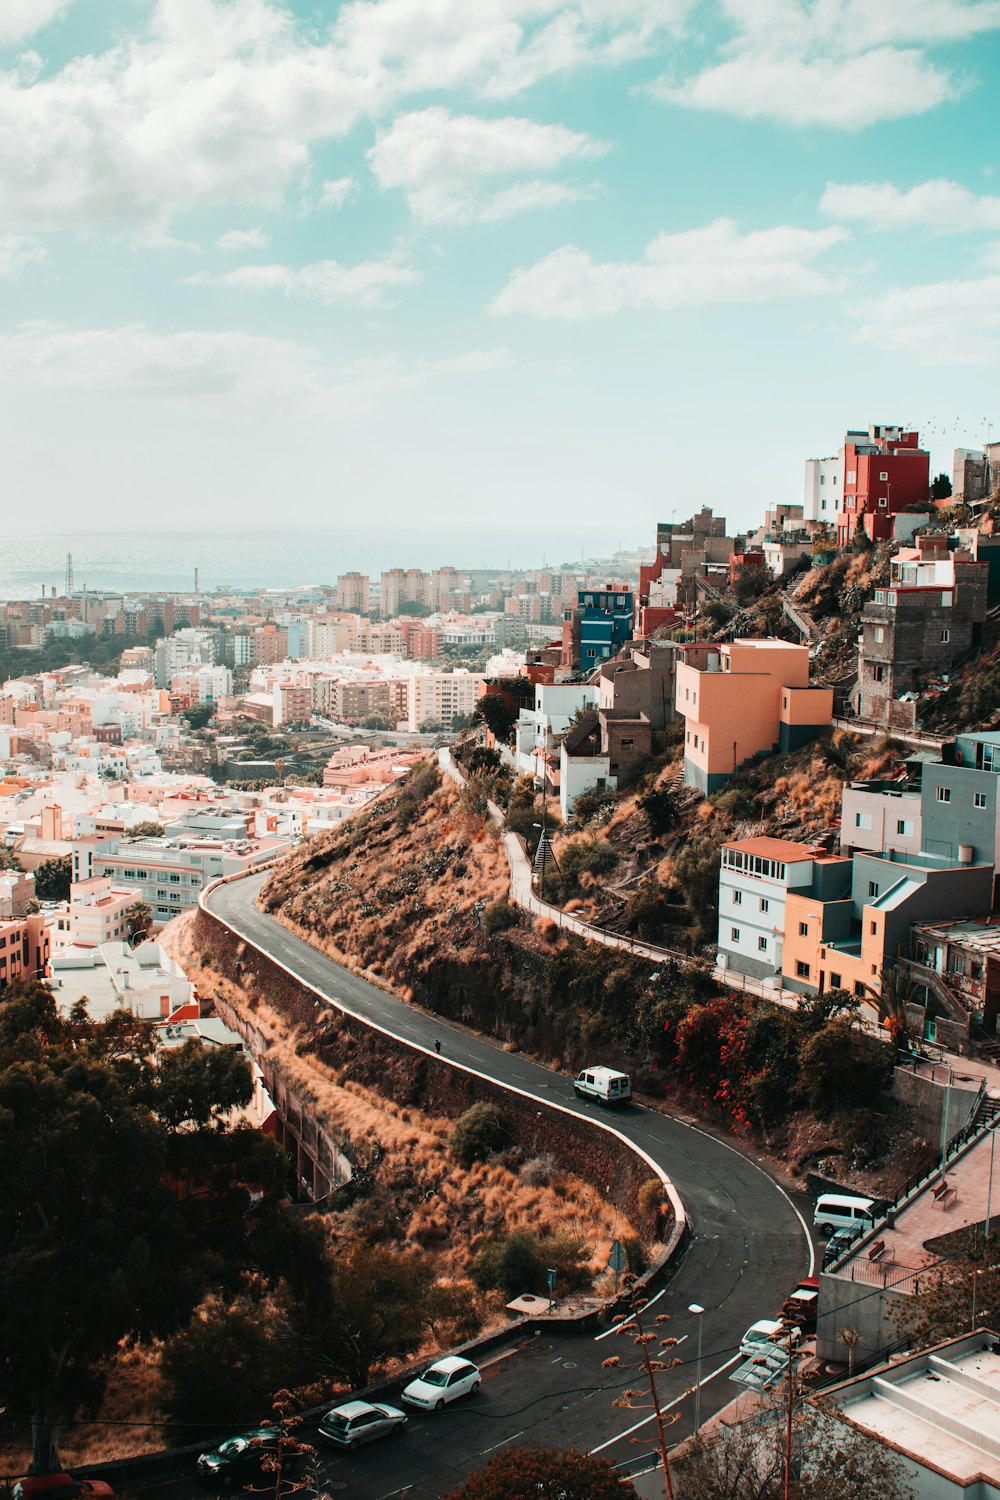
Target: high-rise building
column 352, row 592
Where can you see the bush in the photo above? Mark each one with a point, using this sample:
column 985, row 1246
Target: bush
column 498, row 916
column 595, row 806
column 650, row 1198
column 585, row 856
column 510, row 1263
column 660, row 808
column 478, row 1134
column 636, row 1254
column 538, row 1171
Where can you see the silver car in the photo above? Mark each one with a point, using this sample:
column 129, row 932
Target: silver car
column 358, row 1422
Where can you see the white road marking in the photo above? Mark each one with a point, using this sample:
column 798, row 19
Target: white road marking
column 618, row 1326
column 666, row 1407
column 501, row 1444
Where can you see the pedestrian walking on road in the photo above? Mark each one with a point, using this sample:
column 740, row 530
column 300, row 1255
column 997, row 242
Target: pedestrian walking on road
column 437, row 1046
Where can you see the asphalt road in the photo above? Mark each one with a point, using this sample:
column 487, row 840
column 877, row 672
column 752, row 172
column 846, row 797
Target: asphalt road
column 749, row 1246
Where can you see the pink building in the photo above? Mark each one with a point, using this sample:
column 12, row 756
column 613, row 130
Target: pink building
column 744, row 698
column 97, row 911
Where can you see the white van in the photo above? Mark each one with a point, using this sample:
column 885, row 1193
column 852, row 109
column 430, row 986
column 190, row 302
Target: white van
column 603, row 1084
column 840, row 1211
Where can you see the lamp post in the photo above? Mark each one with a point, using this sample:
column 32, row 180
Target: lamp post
column 699, row 1313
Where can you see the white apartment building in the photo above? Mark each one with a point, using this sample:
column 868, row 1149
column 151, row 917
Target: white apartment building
column 170, row 872
column 823, row 493
column 539, row 728
column 754, row 880
column 877, row 817
column 97, row 911
column 440, row 697
column 203, row 684
column 329, row 636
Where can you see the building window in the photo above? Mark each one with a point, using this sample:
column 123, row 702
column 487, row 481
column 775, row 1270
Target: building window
column 945, row 636
column 883, row 503
column 851, row 476
column 862, row 820
column 737, row 898
column 873, row 928
column 879, row 635
column 979, row 799
column 859, row 990
column 904, row 826
column 942, row 793
column 762, row 944
column 834, row 981
column 802, row 969
column 764, row 903
column 873, row 887
column 803, row 929
column 883, row 475
column 734, row 934
column 878, row 673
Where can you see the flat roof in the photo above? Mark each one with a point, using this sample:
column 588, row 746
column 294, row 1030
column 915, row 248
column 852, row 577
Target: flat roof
column 774, row 849
column 940, row 1408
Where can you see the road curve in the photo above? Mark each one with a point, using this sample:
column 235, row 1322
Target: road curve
column 749, row 1244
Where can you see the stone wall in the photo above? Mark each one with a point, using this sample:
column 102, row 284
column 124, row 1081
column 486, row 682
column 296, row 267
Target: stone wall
column 408, row 1076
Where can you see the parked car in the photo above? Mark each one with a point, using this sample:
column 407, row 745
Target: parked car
column 60, row 1487
column 241, row 1458
column 358, row 1422
column 761, row 1335
column 445, row 1381
column 606, row 1085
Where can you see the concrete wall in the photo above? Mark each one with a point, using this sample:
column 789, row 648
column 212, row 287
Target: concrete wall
column 408, row 1076
column 959, row 821
column 925, row 1095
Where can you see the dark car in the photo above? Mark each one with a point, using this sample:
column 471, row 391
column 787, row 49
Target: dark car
column 241, row 1458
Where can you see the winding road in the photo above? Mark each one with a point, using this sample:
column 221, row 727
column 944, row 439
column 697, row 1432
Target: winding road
column 749, row 1244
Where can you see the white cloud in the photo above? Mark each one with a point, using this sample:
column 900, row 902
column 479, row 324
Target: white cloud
column 448, row 165
column 23, row 18
column 691, row 268
column 224, row 103
column 942, row 322
column 335, row 192
column 242, row 239
column 243, row 371
column 939, row 204
column 847, row 93
column 364, row 285
column 18, row 251
column 842, row 64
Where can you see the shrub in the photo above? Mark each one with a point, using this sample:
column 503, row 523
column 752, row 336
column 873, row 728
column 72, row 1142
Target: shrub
column 636, row 1254
column 595, row 806
column 478, row 1134
column 650, row 1198
column 590, row 856
column 844, row 1069
column 538, row 1171
column 498, row 916
column 510, row 1263
column 660, row 808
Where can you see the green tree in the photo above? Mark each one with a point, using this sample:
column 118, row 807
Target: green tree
column 842, row 1069
column 53, row 878
column 478, row 1133
column 125, row 1197
column 147, row 830
column 544, row 1474
column 199, row 714
column 696, row 875
column 660, row 807
column 378, row 1310
column 815, row 1010
column 896, row 990
column 955, row 1294
column 496, row 713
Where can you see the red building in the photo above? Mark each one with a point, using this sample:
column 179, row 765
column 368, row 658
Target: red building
column 885, row 471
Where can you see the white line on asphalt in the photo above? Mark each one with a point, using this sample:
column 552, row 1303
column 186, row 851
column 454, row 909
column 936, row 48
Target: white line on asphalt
column 510, row 1439
column 404, row 1491
column 617, row 1328
column 666, row 1407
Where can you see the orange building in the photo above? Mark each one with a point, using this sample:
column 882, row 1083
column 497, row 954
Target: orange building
column 744, row 698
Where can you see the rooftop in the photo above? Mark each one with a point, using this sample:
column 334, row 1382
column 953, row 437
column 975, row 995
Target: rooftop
column 783, row 849
column 940, row 1407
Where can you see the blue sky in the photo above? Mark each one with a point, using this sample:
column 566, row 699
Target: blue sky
column 492, row 264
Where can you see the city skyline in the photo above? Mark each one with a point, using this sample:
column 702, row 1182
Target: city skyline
column 514, row 266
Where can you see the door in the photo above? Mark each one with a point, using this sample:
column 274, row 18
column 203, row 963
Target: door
column 930, row 1030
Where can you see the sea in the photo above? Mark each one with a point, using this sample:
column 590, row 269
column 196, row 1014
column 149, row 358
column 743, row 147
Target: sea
column 286, row 559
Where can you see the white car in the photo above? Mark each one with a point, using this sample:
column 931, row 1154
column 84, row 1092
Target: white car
column 761, row 1336
column 444, row 1381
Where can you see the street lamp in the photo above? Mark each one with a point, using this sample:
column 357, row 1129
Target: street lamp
column 699, row 1313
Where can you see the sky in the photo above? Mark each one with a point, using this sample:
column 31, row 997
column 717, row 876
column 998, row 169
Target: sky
column 498, row 265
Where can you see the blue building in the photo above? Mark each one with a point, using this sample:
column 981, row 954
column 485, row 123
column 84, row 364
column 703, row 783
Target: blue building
column 597, row 626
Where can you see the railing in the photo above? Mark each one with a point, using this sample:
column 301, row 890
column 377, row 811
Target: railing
column 886, row 1274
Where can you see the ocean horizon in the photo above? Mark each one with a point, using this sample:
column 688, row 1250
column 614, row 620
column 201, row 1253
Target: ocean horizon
column 166, row 561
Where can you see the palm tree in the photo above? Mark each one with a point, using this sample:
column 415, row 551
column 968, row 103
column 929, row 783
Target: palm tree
column 841, row 754
column 896, row 990
column 850, row 1338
